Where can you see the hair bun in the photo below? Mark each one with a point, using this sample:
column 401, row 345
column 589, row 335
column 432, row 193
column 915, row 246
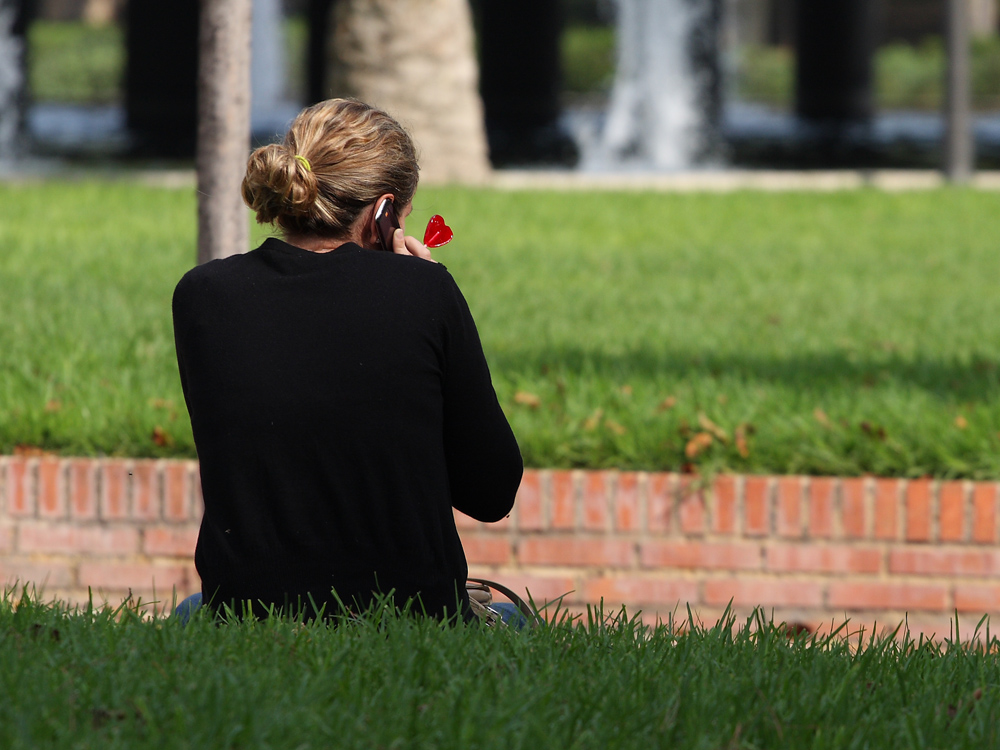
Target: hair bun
column 278, row 184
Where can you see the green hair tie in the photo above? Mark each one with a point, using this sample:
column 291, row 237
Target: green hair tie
column 304, row 162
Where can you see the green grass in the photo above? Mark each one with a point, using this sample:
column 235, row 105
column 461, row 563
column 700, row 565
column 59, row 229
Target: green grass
column 106, row 679
column 847, row 333
column 906, row 76
column 587, row 55
column 75, row 62
column 80, row 63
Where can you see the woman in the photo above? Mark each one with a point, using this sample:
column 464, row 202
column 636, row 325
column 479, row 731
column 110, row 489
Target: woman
column 339, row 397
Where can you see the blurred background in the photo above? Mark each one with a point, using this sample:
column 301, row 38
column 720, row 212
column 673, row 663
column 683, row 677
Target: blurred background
column 572, row 84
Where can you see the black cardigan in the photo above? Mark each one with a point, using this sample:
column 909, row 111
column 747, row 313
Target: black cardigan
column 341, row 405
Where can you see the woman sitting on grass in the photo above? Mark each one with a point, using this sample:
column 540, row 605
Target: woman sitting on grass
column 339, row 397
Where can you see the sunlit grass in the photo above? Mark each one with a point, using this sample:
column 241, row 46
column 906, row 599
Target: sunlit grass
column 821, row 333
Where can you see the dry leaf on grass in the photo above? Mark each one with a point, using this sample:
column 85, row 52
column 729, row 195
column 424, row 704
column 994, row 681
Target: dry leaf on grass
column 161, row 437
column 30, row 451
column 740, row 436
column 527, row 399
column 615, row 427
column 590, row 423
column 709, row 426
column 698, row 444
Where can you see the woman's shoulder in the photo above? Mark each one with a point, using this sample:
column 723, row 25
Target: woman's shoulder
column 408, row 269
column 206, row 278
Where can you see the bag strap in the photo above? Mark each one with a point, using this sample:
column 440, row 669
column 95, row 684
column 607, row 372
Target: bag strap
column 525, row 609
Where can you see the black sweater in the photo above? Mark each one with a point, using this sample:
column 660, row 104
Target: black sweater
column 341, row 405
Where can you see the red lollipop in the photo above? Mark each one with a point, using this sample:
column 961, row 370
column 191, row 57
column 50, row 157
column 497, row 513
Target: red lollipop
column 437, row 233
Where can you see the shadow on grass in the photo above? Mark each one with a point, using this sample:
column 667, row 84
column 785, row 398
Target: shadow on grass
column 975, row 380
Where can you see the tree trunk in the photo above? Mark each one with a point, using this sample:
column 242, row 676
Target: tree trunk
column 958, row 140
column 415, row 59
column 983, row 16
column 223, row 127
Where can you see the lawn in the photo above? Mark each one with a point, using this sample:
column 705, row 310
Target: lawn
column 104, row 679
column 847, row 333
column 910, row 77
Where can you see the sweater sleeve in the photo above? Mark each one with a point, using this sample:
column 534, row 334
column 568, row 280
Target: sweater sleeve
column 484, row 461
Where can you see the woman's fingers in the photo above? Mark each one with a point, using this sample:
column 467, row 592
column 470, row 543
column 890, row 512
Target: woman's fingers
column 399, row 243
column 407, row 245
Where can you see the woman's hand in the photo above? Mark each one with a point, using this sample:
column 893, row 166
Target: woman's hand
column 407, row 245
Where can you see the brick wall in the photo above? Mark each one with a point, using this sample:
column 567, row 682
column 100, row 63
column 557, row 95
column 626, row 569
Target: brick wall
column 813, row 550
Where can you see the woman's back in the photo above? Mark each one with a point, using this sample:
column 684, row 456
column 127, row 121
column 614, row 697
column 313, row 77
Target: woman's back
column 341, row 405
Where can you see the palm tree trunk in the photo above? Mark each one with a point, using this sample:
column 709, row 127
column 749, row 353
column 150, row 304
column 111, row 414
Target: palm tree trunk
column 223, row 127
column 416, row 60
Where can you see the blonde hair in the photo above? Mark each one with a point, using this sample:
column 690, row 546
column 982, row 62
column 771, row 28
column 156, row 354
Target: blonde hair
column 337, row 158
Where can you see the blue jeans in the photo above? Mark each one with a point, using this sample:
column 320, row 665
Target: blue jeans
column 187, row 607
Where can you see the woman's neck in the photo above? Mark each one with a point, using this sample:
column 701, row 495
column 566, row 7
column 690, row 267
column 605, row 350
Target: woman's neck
column 316, row 244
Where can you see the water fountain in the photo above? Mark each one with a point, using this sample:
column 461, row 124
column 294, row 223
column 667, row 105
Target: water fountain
column 664, row 107
column 270, row 108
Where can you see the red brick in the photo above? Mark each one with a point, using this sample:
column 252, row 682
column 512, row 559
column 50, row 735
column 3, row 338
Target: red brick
column 724, row 506
column 51, row 538
column 886, row 508
column 171, row 541
column 82, row 489
column 504, row 524
column 918, row 510
column 20, row 500
column 50, row 488
column 146, row 499
column 660, row 507
column 582, row 552
column 700, row 555
column 894, row 596
column 42, row 575
column 756, row 506
column 852, row 496
column 6, row 539
column 199, row 500
column 463, row 521
column 563, row 500
column 789, row 520
column 939, row 562
column 176, row 490
column 691, row 506
column 626, row 506
column 821, row 508
column 980, row 599
column 984, row 512
column 951, row 517
column 483, row 549
column 528, row 505
column 122, row 576
column 763, row 592
column 633, row 591
column 114, row 478
column 799, row 558
column 538, row 587
column 595, row 501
